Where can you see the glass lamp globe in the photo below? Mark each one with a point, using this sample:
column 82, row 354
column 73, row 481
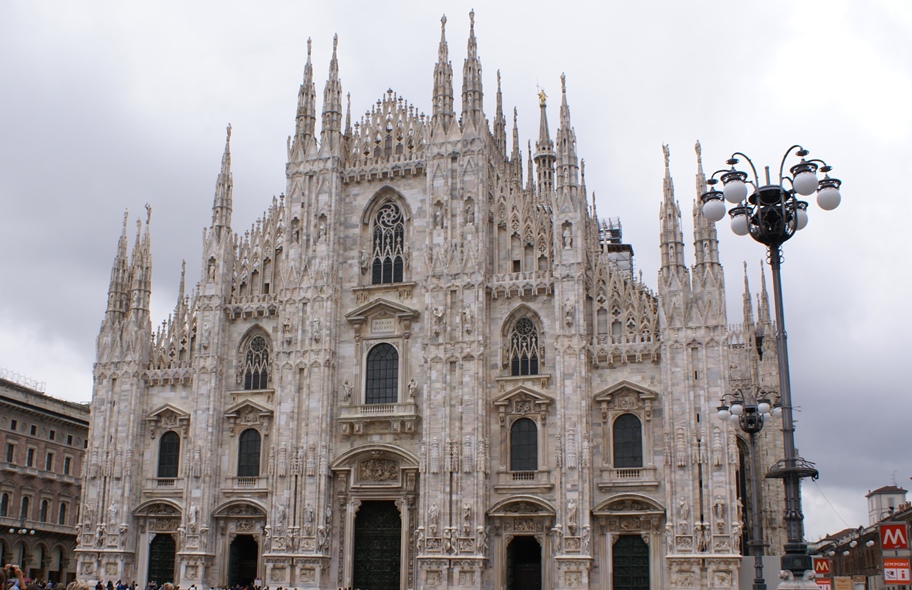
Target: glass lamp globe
column 724, row 414
column 828, row 198
column 763, row 407
column 736, row 409
column 734, row 419
column 735, row 191
column 714, row 210
column 801, row 219
column 777, row 411
column 739, row 225
column 805, row 183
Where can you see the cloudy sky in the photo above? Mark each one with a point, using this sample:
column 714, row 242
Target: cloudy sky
column 107, row 106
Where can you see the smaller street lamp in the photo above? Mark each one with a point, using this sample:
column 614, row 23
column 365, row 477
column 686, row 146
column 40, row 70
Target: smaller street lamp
column 749, row 412
column 22, row 530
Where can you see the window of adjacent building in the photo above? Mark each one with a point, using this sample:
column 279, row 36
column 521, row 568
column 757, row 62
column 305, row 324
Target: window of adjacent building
column 256, row 364
column 387, row 245
column 69, row 439
column 524, row 445
column 382, row 383
column 52, row 434
column 62, row 514
column 33, row 430
column 67, row 465
column 249, row 454
column 524, row 348
column 4, row 504
column 24, row 507
column 628, row 442
column 13, row 424
column 30, row 458
column 49, row 462
column 10, row 453
column 43, row 511
column 168, row 454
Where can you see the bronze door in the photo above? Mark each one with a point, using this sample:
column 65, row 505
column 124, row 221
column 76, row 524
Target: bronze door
column 378, row 541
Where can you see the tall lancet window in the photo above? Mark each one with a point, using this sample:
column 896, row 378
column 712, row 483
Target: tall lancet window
column 256, row 364
column 387, row 245
column 524, row 348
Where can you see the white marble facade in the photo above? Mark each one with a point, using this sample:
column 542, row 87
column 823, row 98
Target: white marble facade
column 428, row 321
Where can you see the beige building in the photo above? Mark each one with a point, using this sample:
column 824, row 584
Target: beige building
column 429, row 364
column 43, row 443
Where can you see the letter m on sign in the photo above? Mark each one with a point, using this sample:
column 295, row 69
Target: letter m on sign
column 894, row 536
column 822, row 567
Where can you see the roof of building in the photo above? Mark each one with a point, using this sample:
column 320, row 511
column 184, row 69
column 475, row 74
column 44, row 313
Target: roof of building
column 886, row 490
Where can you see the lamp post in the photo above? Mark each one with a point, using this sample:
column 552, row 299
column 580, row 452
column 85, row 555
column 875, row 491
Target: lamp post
column 772, row 214
column 750, row 412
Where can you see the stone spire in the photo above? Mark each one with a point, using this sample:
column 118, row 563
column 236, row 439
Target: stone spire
column 515, row 157
column 530, row 181
column 118, row 301
column 764, row 307
column 331, row 132
column 306, row 118
column 472, row 94
column 747, row 309
column 221, row 203
column 706, row 241
column 443, row 83
column 141, row 271
column 544, row 150
column 672, row 238
column 500, row 123
column 567, row 160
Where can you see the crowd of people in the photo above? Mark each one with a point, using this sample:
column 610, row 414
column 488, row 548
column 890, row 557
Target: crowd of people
column 12, row 578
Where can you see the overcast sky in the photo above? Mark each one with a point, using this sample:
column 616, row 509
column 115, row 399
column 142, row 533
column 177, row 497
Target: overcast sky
column 107, row 106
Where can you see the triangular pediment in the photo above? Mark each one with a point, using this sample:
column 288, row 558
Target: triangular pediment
column 380, row 308
column 523, row 393
column 623, row 387
column 167, row 411
column 247, row 406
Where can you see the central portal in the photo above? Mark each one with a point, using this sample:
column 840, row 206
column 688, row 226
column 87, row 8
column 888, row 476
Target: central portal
column 243, row 555
column 378, row 545
column 524, row 564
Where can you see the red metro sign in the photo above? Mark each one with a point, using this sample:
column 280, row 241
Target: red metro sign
column 894, row 536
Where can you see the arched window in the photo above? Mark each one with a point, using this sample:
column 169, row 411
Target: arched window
column 4, row 504
column 62, row 514
column 256, row 364
column 387, row 245
column 524, row 348
column 24, row 508
column 249, row 454
column 628, row 442
column 168, row 454
column 43, row 511
column 382, row 384
column 524, row 445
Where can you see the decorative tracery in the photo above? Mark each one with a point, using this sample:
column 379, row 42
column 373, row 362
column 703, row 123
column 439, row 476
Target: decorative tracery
column 524, row 350
column 256, row 364
column 387, row 245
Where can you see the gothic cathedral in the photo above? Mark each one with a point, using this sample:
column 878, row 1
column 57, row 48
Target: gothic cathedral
column 428, row 365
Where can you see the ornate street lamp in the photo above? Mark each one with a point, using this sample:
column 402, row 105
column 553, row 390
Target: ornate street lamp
column 771, row 214
column 750, row 412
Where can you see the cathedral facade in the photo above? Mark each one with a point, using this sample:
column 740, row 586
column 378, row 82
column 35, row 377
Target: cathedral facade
column 429, row 364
